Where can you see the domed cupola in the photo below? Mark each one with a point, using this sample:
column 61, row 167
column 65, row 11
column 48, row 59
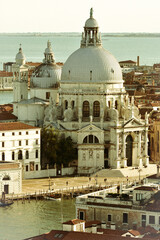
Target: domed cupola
column 20, row 57
column 49, row 56
column 91, row 35
column 91, row 63
column 48, row 74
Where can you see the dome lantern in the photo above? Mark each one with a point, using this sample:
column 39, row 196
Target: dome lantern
column 48, row 54
column 91, row 35
column 20, row 57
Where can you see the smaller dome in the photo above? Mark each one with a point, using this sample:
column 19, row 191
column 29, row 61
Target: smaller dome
column 91, row 23
column 20, row 57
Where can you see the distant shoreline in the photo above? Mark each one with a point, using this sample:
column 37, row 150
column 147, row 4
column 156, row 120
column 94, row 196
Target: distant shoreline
column 77, row 34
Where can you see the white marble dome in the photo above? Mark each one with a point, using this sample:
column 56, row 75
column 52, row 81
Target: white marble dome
column 46, row 76
column 20, row 57
column 92, row 64
column 91, row 23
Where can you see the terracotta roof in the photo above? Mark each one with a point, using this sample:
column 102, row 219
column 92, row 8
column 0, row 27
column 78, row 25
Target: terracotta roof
column 154, row 204
column 4, row 166
column 33, row 63
column 56, row 234
column 147, row 229
column 90, row 223
column 73, row 221
column 134, row 232
column 112, row 232
column 6, row 107
column 15, row 126
column 127, row 61
column 6, row 74
column 7, row 116
column 145, row 188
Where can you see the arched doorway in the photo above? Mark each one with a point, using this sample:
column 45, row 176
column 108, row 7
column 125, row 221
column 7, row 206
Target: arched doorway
column 129, row 145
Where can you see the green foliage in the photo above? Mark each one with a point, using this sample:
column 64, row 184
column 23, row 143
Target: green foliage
column 56, row 149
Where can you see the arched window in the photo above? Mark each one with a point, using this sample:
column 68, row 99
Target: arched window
column 20, row 155
column 116, row 104
column 65, row 104
column 90, row 139
column 3, row 156
column 96, row 109
column 72, row 104
column 129, row 150
column 6, row 177
column 27, row 154
column 86, row 110
column 13, row 155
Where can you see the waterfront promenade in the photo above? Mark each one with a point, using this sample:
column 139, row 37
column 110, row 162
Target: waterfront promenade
column 107, row 177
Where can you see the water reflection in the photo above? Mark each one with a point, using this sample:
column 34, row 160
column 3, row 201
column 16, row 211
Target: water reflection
column 20, row 221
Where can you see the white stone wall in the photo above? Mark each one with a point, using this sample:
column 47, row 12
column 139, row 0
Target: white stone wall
column 15, row 182
column 22, row 140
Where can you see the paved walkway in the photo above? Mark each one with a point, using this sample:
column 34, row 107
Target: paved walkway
column 112, row 176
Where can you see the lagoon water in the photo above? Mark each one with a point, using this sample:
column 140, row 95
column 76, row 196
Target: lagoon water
column 20, row 221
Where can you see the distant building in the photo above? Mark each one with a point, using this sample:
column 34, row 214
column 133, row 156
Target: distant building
column 20, row 142
column 6, row 80
column 129, row 209
column 127, row 64
column 10, row 177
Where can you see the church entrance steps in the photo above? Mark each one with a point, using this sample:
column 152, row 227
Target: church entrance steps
column 130, row 172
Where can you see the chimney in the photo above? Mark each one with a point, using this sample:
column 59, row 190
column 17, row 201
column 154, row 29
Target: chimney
column 103, row 225
column 113, row 226
column 137, row 61
column 94, row 228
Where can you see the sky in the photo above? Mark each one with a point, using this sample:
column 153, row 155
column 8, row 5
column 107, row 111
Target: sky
column 70, row 15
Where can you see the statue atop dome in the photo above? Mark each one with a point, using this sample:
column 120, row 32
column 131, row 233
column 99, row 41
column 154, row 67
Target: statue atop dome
column 91, row 13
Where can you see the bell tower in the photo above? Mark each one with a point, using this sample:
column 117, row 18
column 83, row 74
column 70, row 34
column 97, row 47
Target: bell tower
column 20, row 79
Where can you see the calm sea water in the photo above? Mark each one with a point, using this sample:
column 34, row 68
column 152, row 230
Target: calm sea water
column 123, row 48
column 20, row 221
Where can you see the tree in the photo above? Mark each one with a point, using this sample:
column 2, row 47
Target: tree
column 56, row 149
column 49, row 146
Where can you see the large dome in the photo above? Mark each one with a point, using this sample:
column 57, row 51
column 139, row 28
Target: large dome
column 92, row 64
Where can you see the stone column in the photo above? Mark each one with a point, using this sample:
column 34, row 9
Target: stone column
column 139, row 157
column 146, row 161
column 124, row 152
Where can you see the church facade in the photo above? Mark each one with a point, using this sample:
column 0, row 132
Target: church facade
column 94, row 109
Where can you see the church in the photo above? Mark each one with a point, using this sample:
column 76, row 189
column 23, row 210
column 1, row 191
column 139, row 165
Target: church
column 87, row 101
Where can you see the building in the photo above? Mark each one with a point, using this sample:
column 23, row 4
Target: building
column 95, row 111
column 10, row 177
column 6, row 80
column 128, row 208
column 127, row 64
column 44, row 83
column 20, row 142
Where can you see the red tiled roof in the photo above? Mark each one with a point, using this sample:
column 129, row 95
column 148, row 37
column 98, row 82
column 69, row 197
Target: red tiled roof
column 89, row 223
column 127, row 61
column 73, row 221
column 6, row 74
column 147, row 229
column 145, row 188
column 33, row 63
column 154, row 204
column 15, row 126
column 134, row 232
column 4, row 166
column 111, row 231
column 55, row 234
column 7, row 116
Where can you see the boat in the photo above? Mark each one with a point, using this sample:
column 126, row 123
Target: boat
column 53, row 197
column 5, row 202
